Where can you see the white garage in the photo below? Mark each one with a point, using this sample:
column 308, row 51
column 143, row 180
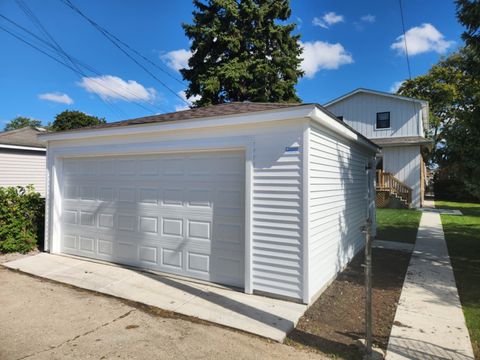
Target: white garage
column 267, row 198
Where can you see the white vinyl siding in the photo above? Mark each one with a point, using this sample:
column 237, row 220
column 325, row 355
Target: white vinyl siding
column 23, row 167
column 277, row 219
column 404, row 163
column 360, row 112
column 276, row 193
column 337, row 205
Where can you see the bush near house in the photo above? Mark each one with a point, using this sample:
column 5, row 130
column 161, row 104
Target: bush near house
column 21, row 219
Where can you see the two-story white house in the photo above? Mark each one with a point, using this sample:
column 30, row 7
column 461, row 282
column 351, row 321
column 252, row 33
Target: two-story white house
column 397, row 124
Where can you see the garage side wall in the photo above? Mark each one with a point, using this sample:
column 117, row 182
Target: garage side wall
column 338, row 205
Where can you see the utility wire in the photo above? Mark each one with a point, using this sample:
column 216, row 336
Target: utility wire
column 405, row 40
column 29, row 13
column 66, row 64
column 77, row 64
column 46, row 43
column 415, row 112
column 115, row 41
column 57, row 48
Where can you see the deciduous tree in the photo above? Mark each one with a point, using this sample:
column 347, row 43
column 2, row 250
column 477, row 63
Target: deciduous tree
column 69, row 120
column 21, row 122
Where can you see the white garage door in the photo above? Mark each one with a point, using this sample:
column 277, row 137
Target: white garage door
column 180, row 213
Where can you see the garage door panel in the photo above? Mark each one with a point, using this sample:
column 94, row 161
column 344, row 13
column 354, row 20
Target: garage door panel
column 181, row 213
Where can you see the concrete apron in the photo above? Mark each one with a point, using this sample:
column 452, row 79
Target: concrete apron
column 266, row 317
column 429, row 322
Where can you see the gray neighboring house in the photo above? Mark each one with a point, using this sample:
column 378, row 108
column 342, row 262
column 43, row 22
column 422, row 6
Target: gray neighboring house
column 397, row 124
column 23, row 159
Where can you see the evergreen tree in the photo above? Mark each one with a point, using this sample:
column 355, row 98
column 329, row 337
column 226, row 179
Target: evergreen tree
column 242, row 50
column 468, row 13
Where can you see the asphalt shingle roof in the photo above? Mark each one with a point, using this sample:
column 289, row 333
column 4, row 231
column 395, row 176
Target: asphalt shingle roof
column 26, row 136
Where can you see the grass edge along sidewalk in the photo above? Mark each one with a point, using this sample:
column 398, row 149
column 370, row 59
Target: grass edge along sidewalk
column 399, row 225
column 462, row 234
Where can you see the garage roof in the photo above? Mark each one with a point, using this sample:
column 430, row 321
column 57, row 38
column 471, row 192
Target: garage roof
column 208, row 112
column 231, row 108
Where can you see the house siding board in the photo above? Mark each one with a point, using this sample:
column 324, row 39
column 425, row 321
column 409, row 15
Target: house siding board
column 23, row 167
column 277, row 265
column 337, row 205
column 359, row 111
column 277, row 215
column 404, row 163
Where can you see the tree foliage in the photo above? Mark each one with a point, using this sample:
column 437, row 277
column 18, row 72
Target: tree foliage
column 242, row 50
column 21, row 122
column 468, row 13
column 70, row 119
column 453, row 91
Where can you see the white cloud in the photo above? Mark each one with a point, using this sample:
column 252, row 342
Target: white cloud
column 177, row 59
column 190, row 100
column 57, row 97
column 328, row 19
column 421, row 39
column 368, row 18
column 110, row 87
column 395, row 86
column 320, row 55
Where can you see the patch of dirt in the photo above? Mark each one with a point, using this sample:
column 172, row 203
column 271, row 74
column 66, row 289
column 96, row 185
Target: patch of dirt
column 335, row 322
column 16, row 256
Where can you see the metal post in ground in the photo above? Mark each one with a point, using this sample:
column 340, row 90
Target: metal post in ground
column 368, row 290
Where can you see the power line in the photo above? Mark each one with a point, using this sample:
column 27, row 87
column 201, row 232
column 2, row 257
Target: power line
column 405, row 40
column 46, row 43
column 67, row 65
column 115, row 41
column 58, row 50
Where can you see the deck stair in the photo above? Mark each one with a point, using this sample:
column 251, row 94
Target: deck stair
column 392, row 192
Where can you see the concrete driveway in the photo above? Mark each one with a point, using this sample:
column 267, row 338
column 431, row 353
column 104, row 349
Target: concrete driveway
column 259, row 315
column 40, row 319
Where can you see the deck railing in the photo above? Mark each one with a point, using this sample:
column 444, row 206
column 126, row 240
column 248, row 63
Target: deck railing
column 387, row 182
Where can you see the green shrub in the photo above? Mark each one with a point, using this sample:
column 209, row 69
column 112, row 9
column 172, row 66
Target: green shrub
column 22, row 212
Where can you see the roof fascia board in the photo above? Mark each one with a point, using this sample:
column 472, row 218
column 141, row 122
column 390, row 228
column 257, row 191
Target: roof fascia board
column 301, row 111
column 18, row 147
column 401, row 144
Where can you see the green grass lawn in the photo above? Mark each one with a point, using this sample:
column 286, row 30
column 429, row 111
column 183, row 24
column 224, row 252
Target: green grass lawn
column 463, row 240
column 398, row 224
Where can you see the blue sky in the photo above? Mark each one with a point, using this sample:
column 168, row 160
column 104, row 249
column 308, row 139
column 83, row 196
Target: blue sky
column 347, row 44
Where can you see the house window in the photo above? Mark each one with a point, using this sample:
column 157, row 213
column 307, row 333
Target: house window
column 340, row 118
column 383, row 120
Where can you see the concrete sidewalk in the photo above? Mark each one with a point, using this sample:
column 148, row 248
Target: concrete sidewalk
column 259, row 315
column 429, row 322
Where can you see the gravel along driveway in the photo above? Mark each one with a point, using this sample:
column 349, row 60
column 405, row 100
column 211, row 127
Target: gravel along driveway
column 44, row 320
